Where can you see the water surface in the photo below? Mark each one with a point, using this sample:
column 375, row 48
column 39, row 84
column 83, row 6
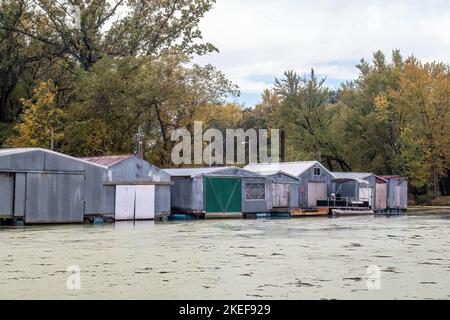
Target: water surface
column 312, row 258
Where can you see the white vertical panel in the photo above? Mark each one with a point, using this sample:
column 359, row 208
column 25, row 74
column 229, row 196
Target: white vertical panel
column 280, row 195
column 316, row 191
column 125, row 199
column 145, row 202
column 397, row 196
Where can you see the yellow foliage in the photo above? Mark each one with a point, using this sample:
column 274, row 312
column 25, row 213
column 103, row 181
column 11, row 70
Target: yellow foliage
column 40, row 117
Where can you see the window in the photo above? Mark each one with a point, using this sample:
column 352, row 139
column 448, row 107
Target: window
column 317, row 172
column 255, row 191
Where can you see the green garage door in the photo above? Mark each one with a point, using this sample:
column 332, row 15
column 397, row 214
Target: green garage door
column 222, row 195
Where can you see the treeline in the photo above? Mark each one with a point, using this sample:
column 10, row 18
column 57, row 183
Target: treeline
column 393, row 119
column 87, row 78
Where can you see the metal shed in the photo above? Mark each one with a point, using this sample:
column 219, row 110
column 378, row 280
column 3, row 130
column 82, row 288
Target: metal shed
column 219, row 192
column 285, row 190
column 42, row 186
column 132, row 188
column 315, row 179
column 397, row 190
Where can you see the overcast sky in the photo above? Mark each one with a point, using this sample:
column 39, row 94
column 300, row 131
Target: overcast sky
column 260, row 39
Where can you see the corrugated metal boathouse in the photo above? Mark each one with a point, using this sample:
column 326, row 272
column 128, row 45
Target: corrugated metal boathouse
column 42, row 186
column 134, row 189
column 219, row 192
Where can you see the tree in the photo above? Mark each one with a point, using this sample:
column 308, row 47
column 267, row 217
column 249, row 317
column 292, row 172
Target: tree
column 42, row 121
column 305, row 114
column 422, row 103
column 84, row 31
column 120, row 95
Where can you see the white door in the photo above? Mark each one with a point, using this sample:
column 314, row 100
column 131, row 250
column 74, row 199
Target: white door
column 145, row 202
column 125, row 200
column 365, row 194
column 280, row 195
column 316, row 191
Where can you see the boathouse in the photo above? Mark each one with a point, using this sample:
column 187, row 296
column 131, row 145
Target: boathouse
column 397, row 191
column 285, row 190
column 133, row 189
column 219, row 192
column 366, row 189
column 315, row 180
column 42, row 186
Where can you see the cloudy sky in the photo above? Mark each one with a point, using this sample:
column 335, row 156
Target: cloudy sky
column 260, row 39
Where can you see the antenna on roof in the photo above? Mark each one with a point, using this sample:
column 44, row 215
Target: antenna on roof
column 140, row 144
column 52, row 139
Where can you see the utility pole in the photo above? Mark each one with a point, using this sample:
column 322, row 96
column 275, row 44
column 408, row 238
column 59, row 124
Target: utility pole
column 140, row 144
column 52, row 139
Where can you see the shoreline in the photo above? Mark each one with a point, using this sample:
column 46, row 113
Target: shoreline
column 428, row 209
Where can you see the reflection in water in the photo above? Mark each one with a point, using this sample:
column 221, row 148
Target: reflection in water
column 232, row 259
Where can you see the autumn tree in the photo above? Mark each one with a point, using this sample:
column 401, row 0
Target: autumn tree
column 41, row 124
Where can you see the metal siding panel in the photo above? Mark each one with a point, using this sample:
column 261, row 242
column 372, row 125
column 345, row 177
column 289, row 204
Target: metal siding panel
column 6, row 194
column 56, row 162
column 30, row 160
column 99, row 199
column 294, row 196
column 20, row 194
column 54, row 198
column 135, row 169
column 162, row 201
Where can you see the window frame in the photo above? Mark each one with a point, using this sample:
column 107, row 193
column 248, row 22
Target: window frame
column 253, row 184
column 314, row 171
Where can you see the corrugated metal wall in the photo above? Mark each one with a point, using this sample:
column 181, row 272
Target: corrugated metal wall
column 20, row 194
column 54, row 198
column 7, row 194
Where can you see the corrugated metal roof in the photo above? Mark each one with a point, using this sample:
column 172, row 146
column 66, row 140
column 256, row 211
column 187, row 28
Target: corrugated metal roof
column 192, row 172
column 108, row 161
column 12, row 151
column 272, row 173
column 351, row 175
column 292, row 168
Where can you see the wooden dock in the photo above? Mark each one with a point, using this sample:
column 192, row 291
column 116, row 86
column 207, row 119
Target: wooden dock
column 318, row 212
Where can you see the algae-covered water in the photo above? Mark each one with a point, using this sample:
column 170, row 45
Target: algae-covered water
column 313, row 258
